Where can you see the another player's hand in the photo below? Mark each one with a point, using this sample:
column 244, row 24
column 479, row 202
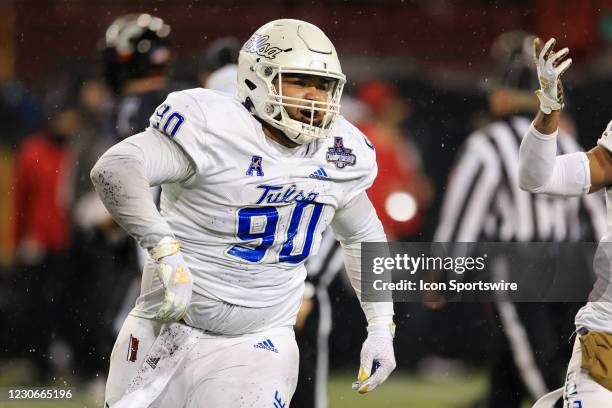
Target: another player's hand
column 377, row 351
column 551, row 65
column 174, row 274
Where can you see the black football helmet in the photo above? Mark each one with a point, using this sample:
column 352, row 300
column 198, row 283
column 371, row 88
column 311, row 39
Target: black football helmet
column 135, row 46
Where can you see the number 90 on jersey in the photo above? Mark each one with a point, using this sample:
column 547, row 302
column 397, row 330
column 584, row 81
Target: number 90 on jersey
column 259, row 228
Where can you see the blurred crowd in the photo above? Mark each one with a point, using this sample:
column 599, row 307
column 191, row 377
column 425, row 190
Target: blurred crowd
column 68, row 274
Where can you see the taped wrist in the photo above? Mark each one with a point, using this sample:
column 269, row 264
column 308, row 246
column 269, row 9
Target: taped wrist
column 378, row 313
column 382, row 330
column 167, row 246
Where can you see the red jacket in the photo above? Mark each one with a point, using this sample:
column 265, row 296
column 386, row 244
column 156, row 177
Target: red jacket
column 42, row 192
column 395, row 173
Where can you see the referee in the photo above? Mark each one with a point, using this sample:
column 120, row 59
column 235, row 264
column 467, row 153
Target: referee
column 483, row 202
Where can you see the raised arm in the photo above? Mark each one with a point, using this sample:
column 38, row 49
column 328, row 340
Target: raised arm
column 540, row 169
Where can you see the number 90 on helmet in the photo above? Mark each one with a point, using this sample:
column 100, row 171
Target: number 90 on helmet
column 284, row 47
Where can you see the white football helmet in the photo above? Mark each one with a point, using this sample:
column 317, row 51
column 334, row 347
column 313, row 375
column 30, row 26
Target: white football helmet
column 289, row 47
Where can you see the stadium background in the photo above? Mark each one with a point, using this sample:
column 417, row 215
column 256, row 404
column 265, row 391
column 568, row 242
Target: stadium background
column 436, row 58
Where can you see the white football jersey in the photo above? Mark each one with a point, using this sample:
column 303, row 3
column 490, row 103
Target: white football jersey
column 254, row 210
column 597, row 313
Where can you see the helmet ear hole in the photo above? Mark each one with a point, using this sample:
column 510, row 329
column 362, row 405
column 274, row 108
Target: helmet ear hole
column 250, row 84
column 248, row 103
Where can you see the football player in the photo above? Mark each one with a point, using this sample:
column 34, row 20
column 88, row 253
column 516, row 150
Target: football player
column 248, row 186
column 589, row 378
column 136, row 55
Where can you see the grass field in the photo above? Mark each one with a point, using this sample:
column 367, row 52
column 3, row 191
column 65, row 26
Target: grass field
column 400, row 391
column 406, row 391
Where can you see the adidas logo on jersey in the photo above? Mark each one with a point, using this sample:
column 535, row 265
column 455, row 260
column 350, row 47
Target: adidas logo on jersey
column 266, row 345
column 152, row 361
column 320, row 174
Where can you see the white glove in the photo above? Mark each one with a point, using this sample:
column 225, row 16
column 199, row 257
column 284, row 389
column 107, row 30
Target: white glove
column 550, row 68
column 377, row 350
column 171, row 269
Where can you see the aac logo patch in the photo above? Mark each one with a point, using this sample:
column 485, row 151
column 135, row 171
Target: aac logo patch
column 255, row 166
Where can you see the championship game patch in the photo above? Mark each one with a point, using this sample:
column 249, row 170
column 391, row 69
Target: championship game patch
column 339, row 155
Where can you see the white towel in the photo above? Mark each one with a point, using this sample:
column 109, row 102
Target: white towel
column 549, row 400
column 165, row 356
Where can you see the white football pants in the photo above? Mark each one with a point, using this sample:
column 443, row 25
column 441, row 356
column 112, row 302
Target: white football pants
column 581, row 391
column 254, row 370
column 251, row 370
column 134, row 341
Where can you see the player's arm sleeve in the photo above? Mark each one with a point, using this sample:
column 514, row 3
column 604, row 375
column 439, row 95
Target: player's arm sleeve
column 471, row 187
column 123, row 175
column 353, row 224
column 542, row 171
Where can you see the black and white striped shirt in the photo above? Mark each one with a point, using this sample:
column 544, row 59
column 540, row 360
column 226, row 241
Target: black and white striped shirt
column 328, row 261
column 483, row 201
